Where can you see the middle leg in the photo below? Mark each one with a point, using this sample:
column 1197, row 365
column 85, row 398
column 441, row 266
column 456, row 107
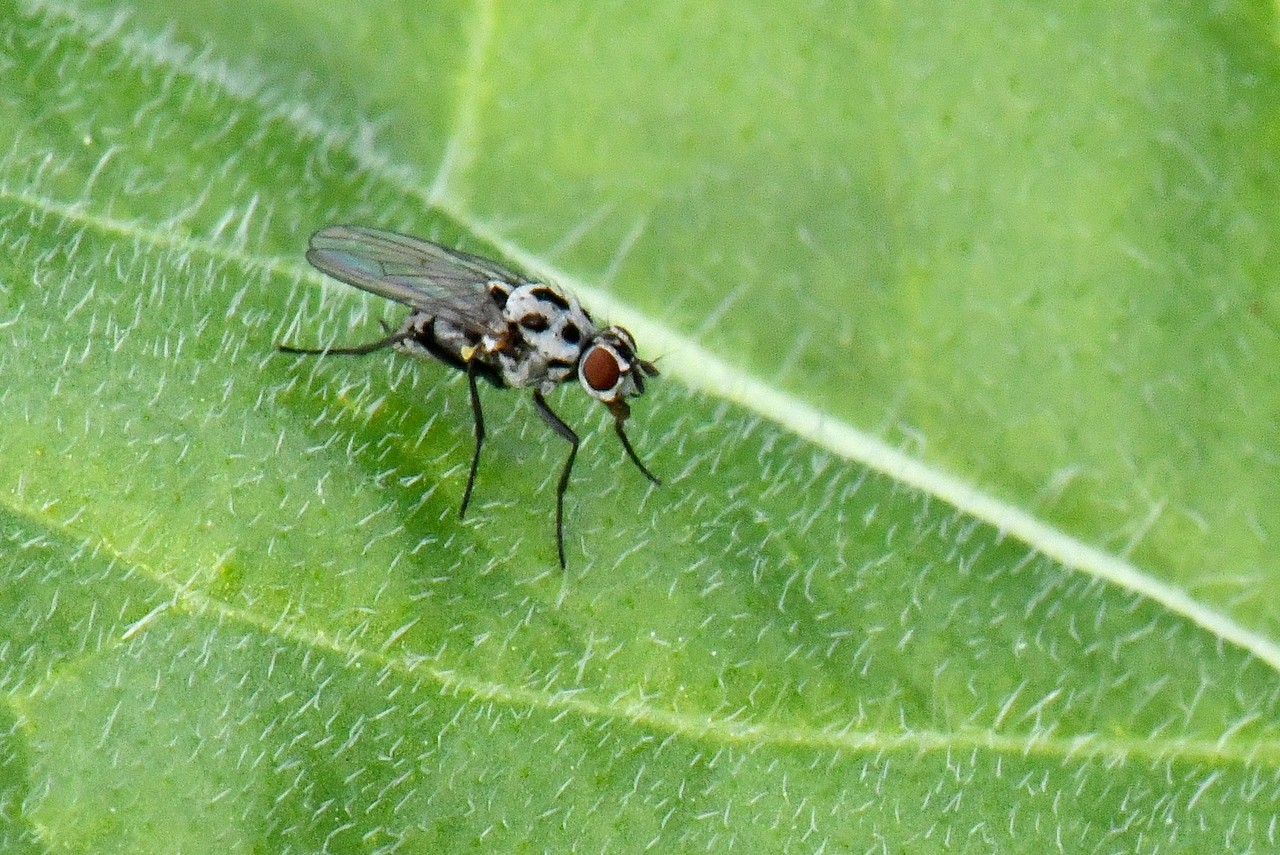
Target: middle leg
column 558, row 425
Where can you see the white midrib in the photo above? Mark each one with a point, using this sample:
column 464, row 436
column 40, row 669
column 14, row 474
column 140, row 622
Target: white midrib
column 682, row 357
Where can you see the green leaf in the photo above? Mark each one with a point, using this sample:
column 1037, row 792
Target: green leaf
column 969, row 336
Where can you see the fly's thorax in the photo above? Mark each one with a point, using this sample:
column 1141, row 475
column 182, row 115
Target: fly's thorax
column 546, row 331
column 611, row 371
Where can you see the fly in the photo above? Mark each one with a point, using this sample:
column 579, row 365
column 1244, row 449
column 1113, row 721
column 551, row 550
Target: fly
column 489, row 322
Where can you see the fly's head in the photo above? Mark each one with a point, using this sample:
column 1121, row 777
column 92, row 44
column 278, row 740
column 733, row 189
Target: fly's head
column 611, row 372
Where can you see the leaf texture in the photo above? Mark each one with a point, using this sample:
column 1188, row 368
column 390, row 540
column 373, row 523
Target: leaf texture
column 966, row 425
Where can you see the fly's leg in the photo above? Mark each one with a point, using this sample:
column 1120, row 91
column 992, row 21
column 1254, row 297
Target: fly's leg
column 358, row 350
column 479, row 421
column 557, row 424
column 631, row 452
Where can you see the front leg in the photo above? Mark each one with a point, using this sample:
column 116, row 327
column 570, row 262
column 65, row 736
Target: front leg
column 557, row 424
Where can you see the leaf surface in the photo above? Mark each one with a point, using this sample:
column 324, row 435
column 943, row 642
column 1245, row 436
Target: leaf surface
column 967, row 428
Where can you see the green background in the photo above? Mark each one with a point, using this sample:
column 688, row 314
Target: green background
column 1033, row 247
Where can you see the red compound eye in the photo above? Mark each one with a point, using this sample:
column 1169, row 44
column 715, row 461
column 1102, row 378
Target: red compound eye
column 600, row 370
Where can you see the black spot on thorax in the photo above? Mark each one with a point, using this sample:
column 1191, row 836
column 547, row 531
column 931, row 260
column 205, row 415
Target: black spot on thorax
column 550, row 295
column 535, row 322
column 499, row 293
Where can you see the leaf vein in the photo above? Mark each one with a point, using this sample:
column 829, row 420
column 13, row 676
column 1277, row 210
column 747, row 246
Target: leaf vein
column 185, row 598
column 461, row 144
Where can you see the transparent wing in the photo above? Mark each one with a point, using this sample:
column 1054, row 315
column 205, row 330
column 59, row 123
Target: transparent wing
column 446, row 283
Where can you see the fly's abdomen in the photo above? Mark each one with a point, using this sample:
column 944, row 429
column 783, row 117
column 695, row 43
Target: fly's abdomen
column 431, row 337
